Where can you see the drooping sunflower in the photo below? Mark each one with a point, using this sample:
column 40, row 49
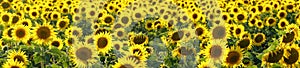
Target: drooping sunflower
column 43, row 33
column 139, row 39
column 259, row 38
column 137, row 49
column 233, row 57
column 83, row 55
column 56, row 42
column 215, row 51
column 272, row 57
column 291, row 56
column 21, row 33
column 19, row 56
column 13, row 64
column 288, row 38
column 103, row 42
column 128, row 63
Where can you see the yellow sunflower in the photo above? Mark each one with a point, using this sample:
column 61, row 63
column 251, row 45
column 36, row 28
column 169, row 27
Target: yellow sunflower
column 219, row 32
column 200, row 31
column 271, row 21
column 13, row 64
column 215, row 51
column 238, row 31
column 103, row 42
column 283, row 23
column 138, row 49
column 233, row 57
column 83, row 55
column 74, row 31
column 25, row 22
column 259, row 39
column 71, row 40
column 21, row 33
column 244, row 43
column 108, row 19
column 291, row 56
column 19, row 56
column 62, row 23
column 128, row 63
column 7, row 33
column 43, row 33
column 120, row 34
column 272, row 57
column 138, row 58
column 56, row 42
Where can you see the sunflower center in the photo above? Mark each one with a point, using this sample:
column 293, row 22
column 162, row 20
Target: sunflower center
column 117, row 46
column 246, row 61
column 139, row 39
column 84, row 53
column 240, row 17
column 215, row 51
column 149, row 25
column 253, row 10
column 289, row 37
column 90, row 40
column 5, row 18
column 25, row 23
column 5, row 5
column 224, row 17
column 20, row 33
column 282, row 24
column 183, row 50
column 258, row 38
column 120, row 33
column 219, row 32
column 43, row 32
column 274, row 57
column 108, row 20
column 199, row 31
column 62, row 24
column 15, row 19
column 244, row 43
column 138, row 15
column 233, row 57
column 19, row 58
column 290, row 7
column 281, row 14
column 260, row 8
column 76, row 33
column 238, row 31
column 71, row 40
column 102, row 42
column 34, row 14
column 126, row 66
column 253, row 21
column 9, row 32
column 271, row 21
column 14, row 67
column 177, row 36
column 294, row 54
column 55, row 43
column 195, row 16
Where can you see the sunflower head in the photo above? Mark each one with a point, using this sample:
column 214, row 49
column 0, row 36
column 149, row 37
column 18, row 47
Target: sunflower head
column 43, row 33
column 125, row 62
column 272, row 57
column 139, row 39
column 215, row 51
column 233, row 57
column 103, row 42
column 18, row 56
column 219, row 32
column 21, row 33
column 259, row 39
column 83, row 55
column 13, row 64
column 291, row 56
column 56, row 42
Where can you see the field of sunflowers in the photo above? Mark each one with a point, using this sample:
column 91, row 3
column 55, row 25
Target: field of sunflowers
column 149, row 33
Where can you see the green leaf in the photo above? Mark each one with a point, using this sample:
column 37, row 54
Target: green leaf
column 55, row 66
column 38, row 59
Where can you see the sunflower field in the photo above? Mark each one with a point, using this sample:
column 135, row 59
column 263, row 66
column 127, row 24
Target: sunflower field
column 149, row 33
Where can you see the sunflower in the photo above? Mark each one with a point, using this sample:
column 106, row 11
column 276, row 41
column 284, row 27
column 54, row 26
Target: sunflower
column 89, row 39
column 74, row 31
column 116, row 25
column 245, row 35
column 13, row 64
column 18, row 56
column 272, row 57
column 253, row 10
column 225, row 16
column 25, row 22
column 215, row 51
column 195, row 16
column 268, row 8
column 108, row 19
column 247, row 62
column 181, row 51
column 21, row 33
column 128, row 63
column 70, row 40
column 252, row 21
column 15, row 19
column 7, row 33
column 62, row 23
column 76, row 18
column 171, row 23
column 219, row 32
column 288, row 38
column 6, row 18
column 290, row 7
column 120, row 34
column 138, row 14
column 34, row 14
column 55, row 15
column 139, row 39
column 238, row 31
column 56, row 42
column 259, row 24
column 125, row 20
column 244, row 43
column 103, row 42
column 241, row 17
column 83, row 55
column 283, row 23
column 259, row 38
column 43, row 33
column 118, row 45
column 176, row 36
column 291, row 56
column 139, row 58
column 233, row 57
column 271, row 21
column 281, row 14
column 200, row 31
column 6, row 5
column 149, row 25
